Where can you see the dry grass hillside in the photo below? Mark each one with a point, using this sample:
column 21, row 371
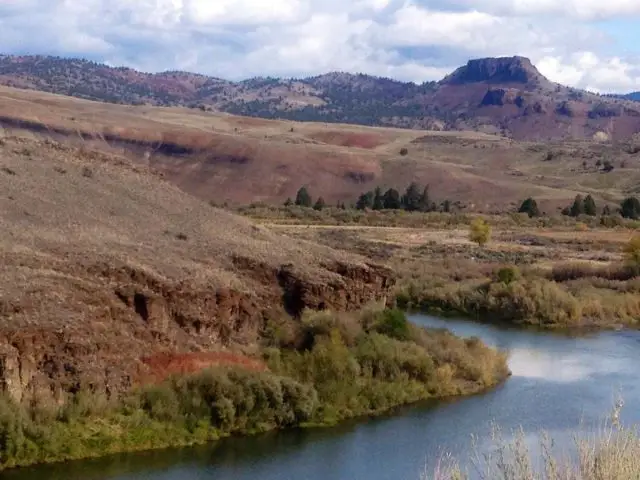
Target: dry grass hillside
column 104, row 265
column 224, row 158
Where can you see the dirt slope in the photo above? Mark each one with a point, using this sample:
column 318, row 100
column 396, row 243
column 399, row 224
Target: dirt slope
column 104, row 265
column 225, row 158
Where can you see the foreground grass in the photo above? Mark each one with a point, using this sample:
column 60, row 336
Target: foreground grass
column 324, row 369
column 613, row 453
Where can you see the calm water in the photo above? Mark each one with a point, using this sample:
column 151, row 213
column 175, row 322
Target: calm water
column 559, row 384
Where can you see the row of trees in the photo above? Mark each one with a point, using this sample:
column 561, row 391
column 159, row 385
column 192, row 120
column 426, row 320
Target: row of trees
column 415, row 199
column 629, row 208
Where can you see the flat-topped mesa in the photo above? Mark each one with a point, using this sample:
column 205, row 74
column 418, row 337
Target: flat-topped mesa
column 503, row 70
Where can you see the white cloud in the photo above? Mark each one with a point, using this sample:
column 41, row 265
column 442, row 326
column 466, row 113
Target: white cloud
column 407, row 39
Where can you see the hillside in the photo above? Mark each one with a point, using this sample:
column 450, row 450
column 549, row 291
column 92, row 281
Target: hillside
column 507, row 96
column 105, row 269
column 224, row 158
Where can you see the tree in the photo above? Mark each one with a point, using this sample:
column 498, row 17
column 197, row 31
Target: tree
column 632, row 251
column 446, row 206
column 365, row 201
column 411, row 198
column 424, row 204
column 303, row 199
column 530, row 207
column 480, row 232
column 378, row 201
column 391, row 199
column 320, row 204
column 606, row 211
column 589, row 206
column 288, row 202
column 577, row 208
column 630, row 208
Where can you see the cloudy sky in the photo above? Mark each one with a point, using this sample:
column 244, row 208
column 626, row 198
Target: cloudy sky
column 592, row 44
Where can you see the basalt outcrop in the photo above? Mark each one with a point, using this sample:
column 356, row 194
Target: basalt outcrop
column 110, row 276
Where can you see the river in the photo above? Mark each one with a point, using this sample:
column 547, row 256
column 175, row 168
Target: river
column 560, row 383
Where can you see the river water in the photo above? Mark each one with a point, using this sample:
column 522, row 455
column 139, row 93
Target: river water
column 560, row 384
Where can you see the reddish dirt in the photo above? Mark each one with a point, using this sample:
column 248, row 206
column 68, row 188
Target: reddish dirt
column 350, row 139
column 164, row 365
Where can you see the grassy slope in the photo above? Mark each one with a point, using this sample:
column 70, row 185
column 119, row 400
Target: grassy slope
column 226, row 158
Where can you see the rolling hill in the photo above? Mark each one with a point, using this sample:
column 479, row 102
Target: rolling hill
column 507, row 96
column 225, row 158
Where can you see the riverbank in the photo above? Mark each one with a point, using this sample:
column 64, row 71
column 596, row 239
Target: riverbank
column 538, row 273
column 334, row 367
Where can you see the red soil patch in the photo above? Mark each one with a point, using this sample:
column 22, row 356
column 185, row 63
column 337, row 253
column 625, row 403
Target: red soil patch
column 350, row 139
column 164, row 365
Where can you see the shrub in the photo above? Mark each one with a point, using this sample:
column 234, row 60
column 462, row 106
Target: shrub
column 480, row 232
column 632, row 252
column 404, row 151
column 394, row 324
column 508, row 275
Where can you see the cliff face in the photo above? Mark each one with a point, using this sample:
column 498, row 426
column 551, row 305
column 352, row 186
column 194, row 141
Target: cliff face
column 103, row 267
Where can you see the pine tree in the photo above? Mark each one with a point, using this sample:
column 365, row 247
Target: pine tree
column 590, row 206
column 530, row 207
column 424, row 205
column 630, row 208
column 378, row 201
column 391, row 199
column 577, row 208
column 320, row 204
column 365, row 201
column 303, row 199
column 411, row 198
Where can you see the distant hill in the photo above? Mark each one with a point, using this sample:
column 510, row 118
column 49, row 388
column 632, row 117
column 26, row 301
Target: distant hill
column 506, row 96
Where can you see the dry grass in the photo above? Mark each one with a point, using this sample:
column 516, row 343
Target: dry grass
column 225, row 158
column 612, row 453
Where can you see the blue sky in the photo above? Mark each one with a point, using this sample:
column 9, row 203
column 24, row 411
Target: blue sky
column 592, row 44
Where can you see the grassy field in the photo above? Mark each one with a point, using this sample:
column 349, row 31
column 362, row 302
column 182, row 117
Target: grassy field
column 548, row 272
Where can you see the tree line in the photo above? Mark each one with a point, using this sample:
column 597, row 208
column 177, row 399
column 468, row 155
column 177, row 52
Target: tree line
column 415, row 198
column 629, row 208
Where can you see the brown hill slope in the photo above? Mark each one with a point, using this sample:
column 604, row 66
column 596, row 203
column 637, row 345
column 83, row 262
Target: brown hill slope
column 495, row 95
column 220, row 157
column 103, row 265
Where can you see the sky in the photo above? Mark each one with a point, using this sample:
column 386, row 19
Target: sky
column 592, row 44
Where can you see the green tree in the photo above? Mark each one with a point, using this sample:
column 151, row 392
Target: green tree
column 303, row 199
column 378, row 200
column 530, row 207
column 411, row 198
column 480, row 232
column 577, row 208
column 425, row 202
column 630, row 208
column 590, row 206
column 320, row 204
column 391, row 199
column 365, row 201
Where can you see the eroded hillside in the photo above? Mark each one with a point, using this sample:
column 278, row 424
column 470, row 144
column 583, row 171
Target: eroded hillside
column 106, row 268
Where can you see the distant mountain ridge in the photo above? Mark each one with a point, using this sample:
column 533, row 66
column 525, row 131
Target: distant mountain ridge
column 507, row 96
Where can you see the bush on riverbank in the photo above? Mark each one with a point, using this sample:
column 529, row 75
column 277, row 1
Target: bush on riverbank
column 534, row 299
column 347, row 365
